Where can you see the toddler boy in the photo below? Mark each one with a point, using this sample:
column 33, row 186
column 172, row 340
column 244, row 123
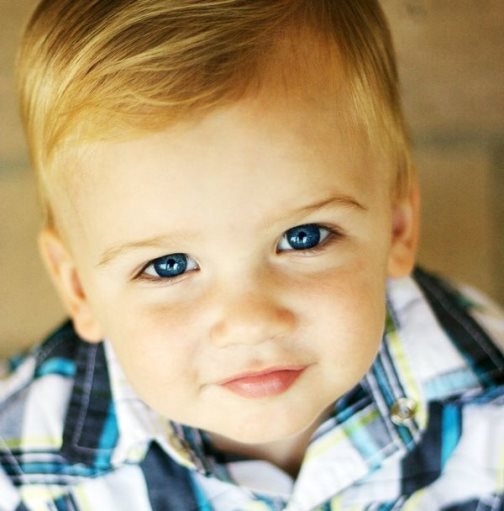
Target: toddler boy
column 230, row 218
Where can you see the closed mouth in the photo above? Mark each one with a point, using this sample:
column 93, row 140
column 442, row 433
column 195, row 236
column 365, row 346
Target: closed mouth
column 266, row 383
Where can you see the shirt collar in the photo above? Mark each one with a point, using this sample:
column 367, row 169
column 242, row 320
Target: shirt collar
column 90, row 430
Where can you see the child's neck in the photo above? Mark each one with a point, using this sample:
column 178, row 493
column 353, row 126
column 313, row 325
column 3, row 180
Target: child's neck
column 286, row 454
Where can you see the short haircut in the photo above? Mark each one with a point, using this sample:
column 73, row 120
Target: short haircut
column 92, row 70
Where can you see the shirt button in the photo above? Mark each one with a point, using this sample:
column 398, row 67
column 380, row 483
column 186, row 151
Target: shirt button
column 403, row 411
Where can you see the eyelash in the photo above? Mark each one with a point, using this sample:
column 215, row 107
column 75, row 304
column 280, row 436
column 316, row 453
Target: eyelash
column 333, row 235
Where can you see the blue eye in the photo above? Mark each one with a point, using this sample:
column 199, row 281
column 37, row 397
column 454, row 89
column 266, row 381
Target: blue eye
column 170, row 266
column 303, row 237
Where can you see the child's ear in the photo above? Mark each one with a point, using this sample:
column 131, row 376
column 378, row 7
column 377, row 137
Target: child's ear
column 63, row 272
column 405, row 233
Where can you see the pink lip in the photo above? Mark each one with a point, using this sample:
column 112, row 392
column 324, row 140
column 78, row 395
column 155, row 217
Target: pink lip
column 270, row 382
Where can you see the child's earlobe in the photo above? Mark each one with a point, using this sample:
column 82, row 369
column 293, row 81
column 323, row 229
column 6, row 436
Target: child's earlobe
column 65, row 277
column 405, row 234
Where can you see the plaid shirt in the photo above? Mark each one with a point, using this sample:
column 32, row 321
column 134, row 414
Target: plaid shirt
column 423, row 430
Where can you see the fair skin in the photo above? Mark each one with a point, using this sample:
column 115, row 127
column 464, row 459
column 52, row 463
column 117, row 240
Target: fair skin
column 223, row 192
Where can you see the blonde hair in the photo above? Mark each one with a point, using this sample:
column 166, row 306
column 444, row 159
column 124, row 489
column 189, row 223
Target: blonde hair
column 93, row 69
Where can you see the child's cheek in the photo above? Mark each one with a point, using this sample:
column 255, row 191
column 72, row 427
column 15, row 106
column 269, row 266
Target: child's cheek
column 345, row 303
column 161, row 337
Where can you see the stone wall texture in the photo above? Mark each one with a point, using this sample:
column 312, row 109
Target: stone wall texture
column 450, row 55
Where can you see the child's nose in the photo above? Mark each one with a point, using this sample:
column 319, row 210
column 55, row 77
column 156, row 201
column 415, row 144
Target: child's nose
column 251, row 318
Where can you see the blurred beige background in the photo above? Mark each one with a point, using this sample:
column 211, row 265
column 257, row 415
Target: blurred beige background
column 450, row 57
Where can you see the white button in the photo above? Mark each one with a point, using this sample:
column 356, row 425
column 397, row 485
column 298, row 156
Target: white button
column 403, row 411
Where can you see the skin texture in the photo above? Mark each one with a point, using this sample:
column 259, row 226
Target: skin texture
column 224, row 190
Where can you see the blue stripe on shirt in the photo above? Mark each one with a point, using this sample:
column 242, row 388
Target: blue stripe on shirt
column 60, row 366
column 108, row 438
column 451, row 431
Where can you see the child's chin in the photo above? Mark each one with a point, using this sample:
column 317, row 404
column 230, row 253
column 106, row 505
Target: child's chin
column 265, row 432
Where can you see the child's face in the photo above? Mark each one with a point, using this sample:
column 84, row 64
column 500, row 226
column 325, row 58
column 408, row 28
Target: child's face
column 189, row 257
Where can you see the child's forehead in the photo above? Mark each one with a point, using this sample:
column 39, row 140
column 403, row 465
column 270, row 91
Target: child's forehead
column 297, row 126
column 257, row 131
column 297, row 123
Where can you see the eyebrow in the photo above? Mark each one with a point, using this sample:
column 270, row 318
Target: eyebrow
column 338, row 200
column 117, row 250
column 159, row 241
